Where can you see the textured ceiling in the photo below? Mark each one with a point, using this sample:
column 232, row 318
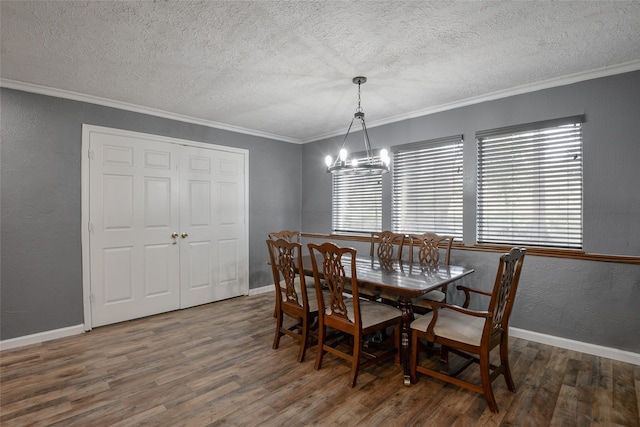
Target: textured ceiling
column 283, row 68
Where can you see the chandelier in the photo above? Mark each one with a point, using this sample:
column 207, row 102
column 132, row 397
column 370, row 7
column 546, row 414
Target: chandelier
column 369, row 166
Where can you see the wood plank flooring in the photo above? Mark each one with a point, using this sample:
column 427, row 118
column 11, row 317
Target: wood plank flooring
column 213, row 365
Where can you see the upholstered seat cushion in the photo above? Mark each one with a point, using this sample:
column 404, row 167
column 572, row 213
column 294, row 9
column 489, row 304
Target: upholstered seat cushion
column 453, row 325
column 296, row 285
column 311, row 294
column 313, row 300
column 434, row 295
column 373, row 313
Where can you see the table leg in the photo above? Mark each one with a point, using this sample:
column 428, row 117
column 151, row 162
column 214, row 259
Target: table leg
column 404, row 304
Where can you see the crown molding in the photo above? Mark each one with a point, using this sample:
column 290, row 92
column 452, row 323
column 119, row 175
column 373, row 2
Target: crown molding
column 519, row 90
column 533, row 87
column 76, row 96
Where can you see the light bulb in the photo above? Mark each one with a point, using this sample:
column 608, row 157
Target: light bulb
column 329, row 161
column 354, row 163
column 384, row 156
column 343, row 155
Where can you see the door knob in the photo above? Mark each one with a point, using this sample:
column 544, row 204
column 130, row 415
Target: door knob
column 184, row 235
column 174, row 234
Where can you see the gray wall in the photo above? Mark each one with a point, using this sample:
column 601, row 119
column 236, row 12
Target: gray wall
column 40, row 206
column 593, row 302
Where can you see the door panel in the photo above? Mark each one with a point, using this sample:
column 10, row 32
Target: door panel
column 200, row 203
column 198, row 251
column 199, row 265
column 231, row 224
column 117, row 202
column 228, row 204
column 212, row 194
column 134, row 208
column 228, row 261
column 157, row 204
column 157, row 269
column 117, row 277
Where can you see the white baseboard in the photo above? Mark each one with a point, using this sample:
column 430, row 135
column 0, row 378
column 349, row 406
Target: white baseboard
column 41, row 337
column 582, row 347
column 262, row 290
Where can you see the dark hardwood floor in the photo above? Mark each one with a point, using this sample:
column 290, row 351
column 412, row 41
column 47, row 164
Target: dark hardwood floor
column 213, row 365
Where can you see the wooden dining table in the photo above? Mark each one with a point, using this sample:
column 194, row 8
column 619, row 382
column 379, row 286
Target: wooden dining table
column 406, row 281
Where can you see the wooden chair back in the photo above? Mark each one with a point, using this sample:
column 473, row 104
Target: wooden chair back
column 429, row 247
column 504, row 289
column 432, row 249
column 329, row 268
column 389, row 246
column 286, row 263
column 289, row 236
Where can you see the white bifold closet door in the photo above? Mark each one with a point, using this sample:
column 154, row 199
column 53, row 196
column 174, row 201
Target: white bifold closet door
column 167, row 226
column 212, row 212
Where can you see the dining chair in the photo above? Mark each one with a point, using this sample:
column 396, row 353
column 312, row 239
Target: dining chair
column 386, row 247
column 389, row 246
column 472, row 334
column 292, row 297
column 289, row 236
column 431, row 249
column 353, row 316
column 389, row 249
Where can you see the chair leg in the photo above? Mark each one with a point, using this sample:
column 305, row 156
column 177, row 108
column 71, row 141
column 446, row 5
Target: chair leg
column 396, row 338
column 322, row 331
column 305, row 337
column 355, row 362
column 485, row 374
column 504, row 361
column 276, row 340
column 444, row 354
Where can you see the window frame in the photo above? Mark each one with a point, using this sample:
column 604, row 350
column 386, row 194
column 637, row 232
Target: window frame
column 531, row 168
column 428, row 176
column 370, row 194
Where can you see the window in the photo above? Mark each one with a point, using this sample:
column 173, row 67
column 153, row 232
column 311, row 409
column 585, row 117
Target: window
column 530, row 184
column 357, row 202
column 427, row 187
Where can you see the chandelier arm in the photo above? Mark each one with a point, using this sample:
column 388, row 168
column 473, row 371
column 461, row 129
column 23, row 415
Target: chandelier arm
column 367, row 144
column 344, row 140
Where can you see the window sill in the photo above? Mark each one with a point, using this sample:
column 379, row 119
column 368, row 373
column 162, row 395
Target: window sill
column 533, row 251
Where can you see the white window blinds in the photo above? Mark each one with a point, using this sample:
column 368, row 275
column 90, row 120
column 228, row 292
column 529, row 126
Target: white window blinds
column 427, row 187
column 530, row 184
column 357, row 202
